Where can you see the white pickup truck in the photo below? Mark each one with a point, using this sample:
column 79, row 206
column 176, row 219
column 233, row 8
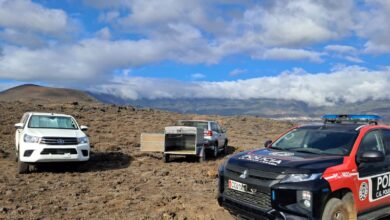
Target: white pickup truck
column 49, row 137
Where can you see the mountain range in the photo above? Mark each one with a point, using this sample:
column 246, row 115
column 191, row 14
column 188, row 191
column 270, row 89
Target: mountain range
column 269, row 108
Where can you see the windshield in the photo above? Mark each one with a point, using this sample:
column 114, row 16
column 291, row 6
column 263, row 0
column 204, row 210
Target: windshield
column 199, row 124
column 52, row 122
column 317, row 141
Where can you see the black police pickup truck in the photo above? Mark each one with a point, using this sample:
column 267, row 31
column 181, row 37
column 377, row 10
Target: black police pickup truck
column 336, row 170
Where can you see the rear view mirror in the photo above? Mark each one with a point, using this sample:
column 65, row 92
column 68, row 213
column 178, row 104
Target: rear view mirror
column 371, row 156
column 83, row 128
column 267, row 143
column 19, row 125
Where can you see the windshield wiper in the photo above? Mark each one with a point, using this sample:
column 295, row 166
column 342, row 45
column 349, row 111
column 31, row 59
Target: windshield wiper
column 306, row 150
column 276, row 148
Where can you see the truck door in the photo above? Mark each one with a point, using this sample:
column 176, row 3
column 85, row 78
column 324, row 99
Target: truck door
column 222, row 136
column 373, row 186
column 20, row 130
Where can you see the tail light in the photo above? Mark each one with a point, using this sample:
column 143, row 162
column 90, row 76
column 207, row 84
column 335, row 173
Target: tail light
column 208, row 133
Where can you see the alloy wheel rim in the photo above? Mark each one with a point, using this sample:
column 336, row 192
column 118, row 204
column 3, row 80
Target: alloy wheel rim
column 339, row 215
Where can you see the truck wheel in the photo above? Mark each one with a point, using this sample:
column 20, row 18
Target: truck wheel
column 22, row 167
column 202, row 158
column 335, row 209
column 349, row 201
column 215, row 151
column 225, row 148
column 16, row 156
column 166, row 158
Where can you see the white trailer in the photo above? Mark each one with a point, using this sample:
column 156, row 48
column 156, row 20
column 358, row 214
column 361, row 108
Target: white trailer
column 176, row 140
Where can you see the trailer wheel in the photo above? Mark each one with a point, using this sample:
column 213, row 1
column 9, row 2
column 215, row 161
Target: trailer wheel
column 166, row 158
column 335, row 209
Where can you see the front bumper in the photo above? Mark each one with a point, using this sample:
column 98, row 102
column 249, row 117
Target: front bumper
column 244, row 210
column 280, row 200
column 34, row 153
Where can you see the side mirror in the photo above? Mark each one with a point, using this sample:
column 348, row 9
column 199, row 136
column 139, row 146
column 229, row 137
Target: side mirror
column 83, row 128
column 19, row 125
column 371, row 156
column 267, row 143
column 223, row 130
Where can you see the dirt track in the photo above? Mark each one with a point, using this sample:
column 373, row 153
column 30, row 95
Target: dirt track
column 119, row 182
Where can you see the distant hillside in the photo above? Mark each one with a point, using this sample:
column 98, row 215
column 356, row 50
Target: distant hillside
column 271, row 108
column 41, row 94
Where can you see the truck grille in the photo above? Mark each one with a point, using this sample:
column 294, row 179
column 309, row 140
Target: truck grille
column 59, row 151
column 59, row 141
column 259, row 199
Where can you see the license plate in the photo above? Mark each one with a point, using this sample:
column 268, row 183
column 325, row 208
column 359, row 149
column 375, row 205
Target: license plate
column 237, row 186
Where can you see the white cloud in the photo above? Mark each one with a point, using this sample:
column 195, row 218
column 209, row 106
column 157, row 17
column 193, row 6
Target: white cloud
column 341, row 48
column 348, row 84
column 289, row 54
column 354, row 59
column 300, row 22
column 89, row 60
column 109, row 17
column 26, row 15
column 375, row 27
column 197, row 76
column 237, row 72
column 104, row 33
column 345, row 52
column 23, row 38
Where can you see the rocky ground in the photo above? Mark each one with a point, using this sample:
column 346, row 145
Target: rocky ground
column 119, row 182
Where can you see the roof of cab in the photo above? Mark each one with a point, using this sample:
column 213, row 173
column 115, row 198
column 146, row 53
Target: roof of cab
column 340, row 127
column 49, row 114
column 198, row 120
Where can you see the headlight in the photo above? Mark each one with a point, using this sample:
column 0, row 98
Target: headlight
column 293, row 178
column 83, row 140
column 30, row 139
column 304, row 199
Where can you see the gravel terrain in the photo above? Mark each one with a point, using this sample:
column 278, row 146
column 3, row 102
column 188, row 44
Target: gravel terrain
column 119, row 182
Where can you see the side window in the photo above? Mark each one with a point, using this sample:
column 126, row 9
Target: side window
column 219, row 128
column 372, row 141
column 214, row 127
column 386, row 140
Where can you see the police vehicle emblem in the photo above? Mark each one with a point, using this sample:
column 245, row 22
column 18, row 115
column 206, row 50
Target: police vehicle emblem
column 244, row 174
column 363, row 191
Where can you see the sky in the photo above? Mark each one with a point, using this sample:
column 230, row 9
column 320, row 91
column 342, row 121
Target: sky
column 318, row 52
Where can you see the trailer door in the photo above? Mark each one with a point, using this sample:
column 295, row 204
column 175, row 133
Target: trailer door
column 152, row 142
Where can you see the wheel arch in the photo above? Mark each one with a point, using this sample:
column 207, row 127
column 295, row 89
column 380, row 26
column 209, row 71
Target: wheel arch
column 339, row 194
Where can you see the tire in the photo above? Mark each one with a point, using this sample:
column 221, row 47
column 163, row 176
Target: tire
column 349, row 201
column 166, row 158
column 335, row 209
column 225, row 148
column 16, row 156
column 23, row 168
column 215, row 151
column 202, row 158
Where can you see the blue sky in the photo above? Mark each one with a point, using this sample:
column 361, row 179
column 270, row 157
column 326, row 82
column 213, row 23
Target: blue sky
column 207, row 48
